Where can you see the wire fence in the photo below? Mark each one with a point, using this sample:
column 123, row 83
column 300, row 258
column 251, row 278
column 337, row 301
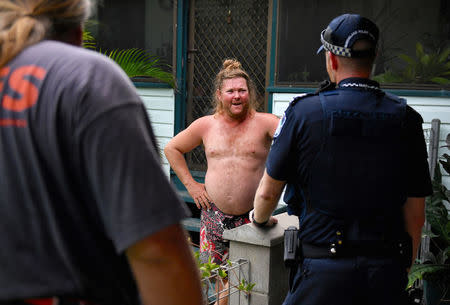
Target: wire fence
column 228, row 284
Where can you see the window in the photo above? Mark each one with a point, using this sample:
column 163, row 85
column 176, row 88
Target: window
column 143, row 24
column 406, row 27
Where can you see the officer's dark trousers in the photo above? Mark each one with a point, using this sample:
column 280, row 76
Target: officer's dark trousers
column 346, row 281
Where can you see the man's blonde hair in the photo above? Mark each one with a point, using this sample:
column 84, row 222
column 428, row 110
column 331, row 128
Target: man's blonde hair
column 231, row 68
column 26, row 22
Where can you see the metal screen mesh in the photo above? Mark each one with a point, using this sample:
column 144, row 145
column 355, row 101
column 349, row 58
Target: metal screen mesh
column 225, row 29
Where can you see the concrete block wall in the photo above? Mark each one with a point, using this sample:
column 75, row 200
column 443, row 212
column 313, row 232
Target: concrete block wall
column 263, row 248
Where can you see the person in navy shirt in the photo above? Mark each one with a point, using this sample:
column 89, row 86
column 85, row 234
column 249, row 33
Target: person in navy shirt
column 354, row 162
column 89, row 217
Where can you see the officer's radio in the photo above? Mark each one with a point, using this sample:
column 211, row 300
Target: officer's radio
column 291, row 247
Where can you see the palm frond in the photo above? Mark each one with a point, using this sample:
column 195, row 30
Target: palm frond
column 138, row 63
column 135, row 62
column 88, row 40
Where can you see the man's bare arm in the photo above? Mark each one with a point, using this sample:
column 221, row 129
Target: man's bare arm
column 414, row 214
column 266, row 199
column 165, row 270
column 273, row 122
column 182, row 143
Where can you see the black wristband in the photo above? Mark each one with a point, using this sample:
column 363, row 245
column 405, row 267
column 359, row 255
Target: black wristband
column 258, row 224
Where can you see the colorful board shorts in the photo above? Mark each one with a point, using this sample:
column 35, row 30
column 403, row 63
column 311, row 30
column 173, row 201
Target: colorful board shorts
column 213, row 223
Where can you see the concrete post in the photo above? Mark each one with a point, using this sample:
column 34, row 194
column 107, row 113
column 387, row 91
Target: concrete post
column 263, row 248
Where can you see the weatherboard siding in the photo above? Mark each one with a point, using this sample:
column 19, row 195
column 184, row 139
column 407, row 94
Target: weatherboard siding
column 160, row 105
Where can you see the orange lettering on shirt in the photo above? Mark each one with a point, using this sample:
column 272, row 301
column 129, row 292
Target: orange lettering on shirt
column 3, row 72
column 28, row 91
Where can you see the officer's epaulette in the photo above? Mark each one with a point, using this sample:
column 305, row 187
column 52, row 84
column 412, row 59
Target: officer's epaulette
column 393, row 97
column 300, row 97
column 324, row 86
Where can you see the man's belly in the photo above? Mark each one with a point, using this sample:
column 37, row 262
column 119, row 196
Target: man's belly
column 232, row 194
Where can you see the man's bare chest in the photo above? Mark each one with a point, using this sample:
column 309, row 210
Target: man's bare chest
column 236, row 143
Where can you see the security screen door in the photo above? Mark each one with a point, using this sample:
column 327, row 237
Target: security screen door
column 220, row 29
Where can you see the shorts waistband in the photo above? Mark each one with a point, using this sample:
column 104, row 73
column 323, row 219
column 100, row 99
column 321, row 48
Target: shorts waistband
column 215, row 208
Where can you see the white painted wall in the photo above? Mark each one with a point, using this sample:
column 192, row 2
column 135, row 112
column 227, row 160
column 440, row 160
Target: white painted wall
column 160, row 105
column 429, row 107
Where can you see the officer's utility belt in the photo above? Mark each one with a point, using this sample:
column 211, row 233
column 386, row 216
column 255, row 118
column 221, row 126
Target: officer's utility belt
column 375, row 249
column 295, row 250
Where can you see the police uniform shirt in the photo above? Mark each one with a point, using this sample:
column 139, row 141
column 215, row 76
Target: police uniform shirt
column 298, row 140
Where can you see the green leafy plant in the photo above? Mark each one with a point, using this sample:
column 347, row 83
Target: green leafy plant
column 432, row 67
column 246, row 286
column 210, row 272
column 302, row 76
column 135, row 62
column 435, row 265
column 207, row 269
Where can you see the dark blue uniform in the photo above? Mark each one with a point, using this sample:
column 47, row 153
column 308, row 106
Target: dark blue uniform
column 350, row 156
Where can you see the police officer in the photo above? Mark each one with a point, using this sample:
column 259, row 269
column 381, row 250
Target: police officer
column 355, row 163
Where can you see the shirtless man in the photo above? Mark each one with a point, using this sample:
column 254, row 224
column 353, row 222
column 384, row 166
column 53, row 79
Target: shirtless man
column 236, row 140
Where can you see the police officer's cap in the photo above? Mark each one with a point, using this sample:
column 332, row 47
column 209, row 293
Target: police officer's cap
column 342, row 33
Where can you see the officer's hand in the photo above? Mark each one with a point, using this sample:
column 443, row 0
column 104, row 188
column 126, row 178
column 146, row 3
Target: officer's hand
column 199, row 194
column 272, row 221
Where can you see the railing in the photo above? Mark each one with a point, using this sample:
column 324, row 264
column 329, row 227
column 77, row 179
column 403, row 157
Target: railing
column 432, row 139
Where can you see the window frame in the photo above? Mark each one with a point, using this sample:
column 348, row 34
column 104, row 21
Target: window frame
column 417, row 90
column 143, row 82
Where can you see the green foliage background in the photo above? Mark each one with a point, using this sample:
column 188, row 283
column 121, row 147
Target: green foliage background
column 135, row 62
column 435, row 266
column 425, row 68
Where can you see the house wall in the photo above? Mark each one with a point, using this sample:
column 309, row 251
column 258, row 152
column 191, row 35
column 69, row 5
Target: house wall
column 160, row 105
column 429, row 107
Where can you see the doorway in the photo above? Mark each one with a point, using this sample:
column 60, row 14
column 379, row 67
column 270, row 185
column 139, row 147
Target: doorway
column 220, row 29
